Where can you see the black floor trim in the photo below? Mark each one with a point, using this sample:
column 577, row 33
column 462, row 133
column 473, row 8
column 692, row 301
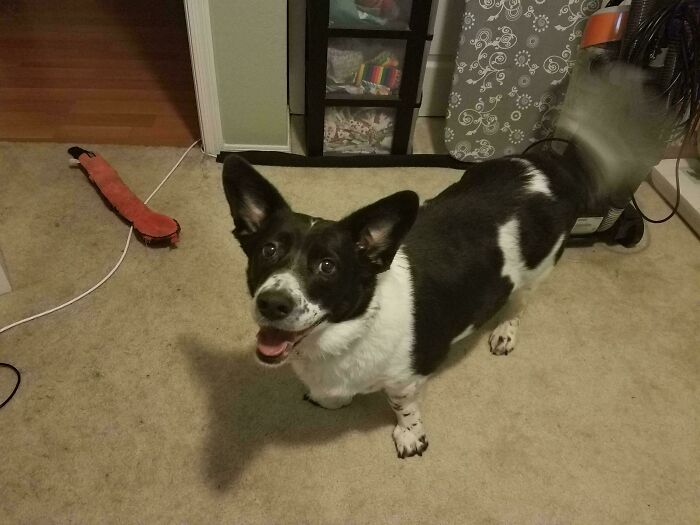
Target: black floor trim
column 278, row 158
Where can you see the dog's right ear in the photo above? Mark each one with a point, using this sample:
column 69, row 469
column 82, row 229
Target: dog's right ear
column 379, row 228
column 251, row 198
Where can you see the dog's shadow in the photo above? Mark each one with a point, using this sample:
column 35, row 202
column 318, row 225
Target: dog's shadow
column 251, row 407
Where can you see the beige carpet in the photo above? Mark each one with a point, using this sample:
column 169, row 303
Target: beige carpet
column 142, row 403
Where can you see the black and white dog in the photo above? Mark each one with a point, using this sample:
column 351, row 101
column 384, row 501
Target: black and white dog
column 374, row 301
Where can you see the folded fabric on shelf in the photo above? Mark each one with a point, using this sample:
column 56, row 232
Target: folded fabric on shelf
column 358, row 130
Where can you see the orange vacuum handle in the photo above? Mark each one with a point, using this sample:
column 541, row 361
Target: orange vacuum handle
column 605, row 25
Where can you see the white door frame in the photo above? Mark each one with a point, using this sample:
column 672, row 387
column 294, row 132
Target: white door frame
column 204, row 72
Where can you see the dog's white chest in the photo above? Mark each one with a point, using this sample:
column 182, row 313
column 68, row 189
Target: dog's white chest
column 365, row 354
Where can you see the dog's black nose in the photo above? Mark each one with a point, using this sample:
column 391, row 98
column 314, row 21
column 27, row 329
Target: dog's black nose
column 275, row 305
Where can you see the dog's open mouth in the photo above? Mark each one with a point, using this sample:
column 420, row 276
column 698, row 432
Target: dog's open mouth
column 274, row 345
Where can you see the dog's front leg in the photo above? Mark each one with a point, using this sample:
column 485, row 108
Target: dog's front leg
column 409, row 435
column 329, row 402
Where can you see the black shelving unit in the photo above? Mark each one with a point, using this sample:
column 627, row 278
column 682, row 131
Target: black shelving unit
column 405, row 101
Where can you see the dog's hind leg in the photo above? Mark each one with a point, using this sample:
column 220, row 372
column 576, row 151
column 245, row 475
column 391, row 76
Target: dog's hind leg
column 504, row 337
column 524, row 276
column 409, row 435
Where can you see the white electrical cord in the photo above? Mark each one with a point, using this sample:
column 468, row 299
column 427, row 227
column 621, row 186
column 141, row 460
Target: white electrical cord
column 201, row 148
column 116, row 266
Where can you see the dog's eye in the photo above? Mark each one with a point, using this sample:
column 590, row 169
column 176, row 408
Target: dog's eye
column 269, row 250
column 326, row 266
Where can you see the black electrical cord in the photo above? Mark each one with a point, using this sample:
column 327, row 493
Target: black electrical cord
column 14, row 390
column 674, row 210
column 541, row 141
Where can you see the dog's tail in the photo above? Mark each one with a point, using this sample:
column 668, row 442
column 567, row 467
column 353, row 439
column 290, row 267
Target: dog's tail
column 618, row 124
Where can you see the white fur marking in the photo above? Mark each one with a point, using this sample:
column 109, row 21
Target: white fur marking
column 509, row 243
column 464, row 334
column 513, row 264
column 537, row 181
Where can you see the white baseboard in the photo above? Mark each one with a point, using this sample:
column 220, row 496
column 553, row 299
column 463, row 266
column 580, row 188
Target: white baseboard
column 257, row 147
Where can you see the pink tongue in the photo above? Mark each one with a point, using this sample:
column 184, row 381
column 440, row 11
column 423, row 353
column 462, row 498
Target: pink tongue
column 272, row 342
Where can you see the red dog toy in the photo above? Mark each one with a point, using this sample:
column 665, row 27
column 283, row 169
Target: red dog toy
column 152, row 227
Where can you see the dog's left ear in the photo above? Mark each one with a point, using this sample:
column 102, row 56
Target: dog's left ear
column 378, row 229
column 251, row 198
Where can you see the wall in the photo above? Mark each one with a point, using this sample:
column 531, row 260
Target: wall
column 250, row 53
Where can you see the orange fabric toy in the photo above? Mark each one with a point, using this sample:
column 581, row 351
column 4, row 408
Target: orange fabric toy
column 151, row 226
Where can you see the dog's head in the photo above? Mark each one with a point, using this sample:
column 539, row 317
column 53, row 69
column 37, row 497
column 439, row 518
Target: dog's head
column 305, row 272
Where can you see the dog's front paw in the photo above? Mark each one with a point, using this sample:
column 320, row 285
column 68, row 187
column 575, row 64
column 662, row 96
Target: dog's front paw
column 503, row 338
column 331, row 403
column 410, row 441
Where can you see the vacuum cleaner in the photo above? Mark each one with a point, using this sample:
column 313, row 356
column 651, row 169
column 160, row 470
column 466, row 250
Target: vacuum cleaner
column 660, row 37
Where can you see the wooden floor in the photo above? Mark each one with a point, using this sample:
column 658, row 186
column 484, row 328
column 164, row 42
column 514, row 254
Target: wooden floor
column 96, row 71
